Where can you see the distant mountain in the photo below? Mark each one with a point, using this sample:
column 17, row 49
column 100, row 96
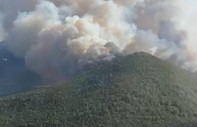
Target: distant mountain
column 14, row 75
column 138, row 90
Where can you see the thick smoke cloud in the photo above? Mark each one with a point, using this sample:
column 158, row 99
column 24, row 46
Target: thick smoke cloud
column 58, row 37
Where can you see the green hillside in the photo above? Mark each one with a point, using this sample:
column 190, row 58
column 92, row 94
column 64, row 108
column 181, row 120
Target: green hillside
column 138, row 90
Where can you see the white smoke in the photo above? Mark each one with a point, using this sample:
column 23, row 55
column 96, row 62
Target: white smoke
column 58, row 37
column 1, row 28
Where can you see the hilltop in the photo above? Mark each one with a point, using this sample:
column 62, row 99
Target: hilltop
column 138, row 90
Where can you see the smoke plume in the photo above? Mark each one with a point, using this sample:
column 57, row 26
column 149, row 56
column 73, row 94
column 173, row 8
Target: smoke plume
column 58, row 37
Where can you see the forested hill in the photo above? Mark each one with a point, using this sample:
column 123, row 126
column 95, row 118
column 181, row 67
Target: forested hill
column 138, row 90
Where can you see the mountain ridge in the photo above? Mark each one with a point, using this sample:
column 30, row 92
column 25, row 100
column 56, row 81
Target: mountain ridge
column 137, row 90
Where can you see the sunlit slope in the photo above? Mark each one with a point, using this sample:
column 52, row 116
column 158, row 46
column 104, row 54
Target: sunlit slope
column 131, row 91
